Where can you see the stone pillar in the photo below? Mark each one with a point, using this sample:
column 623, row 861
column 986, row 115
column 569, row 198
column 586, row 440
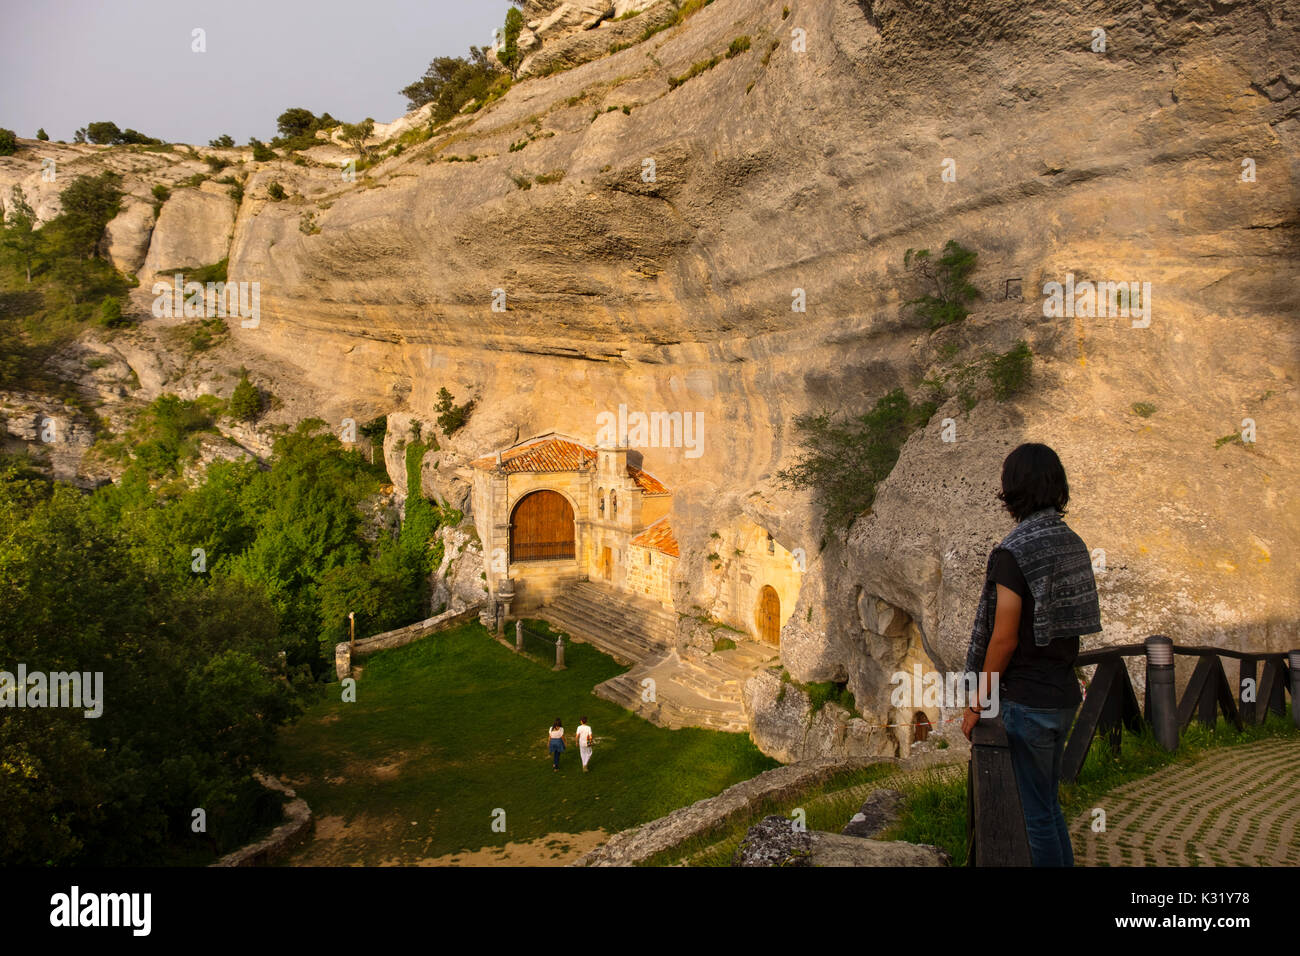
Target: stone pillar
column 559, row 654
column 519, row 636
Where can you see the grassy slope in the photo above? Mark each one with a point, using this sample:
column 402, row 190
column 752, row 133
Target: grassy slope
column 465, row 719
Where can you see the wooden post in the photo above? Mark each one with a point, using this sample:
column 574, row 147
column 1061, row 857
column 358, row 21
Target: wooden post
column 559, row 653
column 995, row 820
column 519, row 637
column 1162, row 710
column 1294, row 661
column 1111, row 705
column 1247, row 672
column 352, row 631
column 1207, row 692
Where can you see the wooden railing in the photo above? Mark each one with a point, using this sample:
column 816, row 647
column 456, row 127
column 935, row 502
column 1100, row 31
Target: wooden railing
column 995, row 820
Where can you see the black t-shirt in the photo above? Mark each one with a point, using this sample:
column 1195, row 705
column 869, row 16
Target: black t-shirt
column 1035, row 676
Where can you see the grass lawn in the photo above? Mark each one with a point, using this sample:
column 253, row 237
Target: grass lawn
column 449, row 729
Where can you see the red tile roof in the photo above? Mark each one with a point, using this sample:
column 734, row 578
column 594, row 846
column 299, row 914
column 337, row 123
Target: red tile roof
column 659, row 537
column 561, row 454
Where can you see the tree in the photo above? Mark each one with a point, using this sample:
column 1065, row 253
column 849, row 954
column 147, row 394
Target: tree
column 8, row 142
column 509, row 54
column 224, row 141
column 103, row 133
column 295, row 121
column 451, row 417
column 20, row 229
column 450, row 82
column 246, row 400
column 947, row 276
column 356, row 134
column 79, row 136
column 261, row 152
column 43, row 136
column 89, row 203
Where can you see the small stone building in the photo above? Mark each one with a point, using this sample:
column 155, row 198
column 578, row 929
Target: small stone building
column 552, row 511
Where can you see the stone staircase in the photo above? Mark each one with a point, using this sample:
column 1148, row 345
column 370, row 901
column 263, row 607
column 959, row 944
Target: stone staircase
column 687, row 693
column 625, row 626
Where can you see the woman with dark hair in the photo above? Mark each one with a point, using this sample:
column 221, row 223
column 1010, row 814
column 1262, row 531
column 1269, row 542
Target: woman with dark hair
column 1039, row 597
column 555, row 743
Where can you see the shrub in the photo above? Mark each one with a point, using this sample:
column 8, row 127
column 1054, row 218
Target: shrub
column 843, row 460
column 161, row 192
column 451, row 417
column 738, row 46
column 246, row 400
column 1010, row 371
column 216, row 163
column 694, row 71
column 1143, row 409
column 8, row 142
column 275, row 191
column 43, row 136
column 110, row 314
column 261, row 152
column 224, row 141
column 947, row 275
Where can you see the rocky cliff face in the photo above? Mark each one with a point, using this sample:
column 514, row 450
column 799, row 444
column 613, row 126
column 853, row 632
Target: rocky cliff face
column 648, row 237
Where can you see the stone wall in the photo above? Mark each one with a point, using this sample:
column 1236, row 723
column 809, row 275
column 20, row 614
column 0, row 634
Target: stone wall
column 293, row 833
column 345, row 652
column 650, row 573
column 641, row 843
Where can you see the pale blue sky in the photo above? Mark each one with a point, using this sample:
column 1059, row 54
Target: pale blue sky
column 70, row 62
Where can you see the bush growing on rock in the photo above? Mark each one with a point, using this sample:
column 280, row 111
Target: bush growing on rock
column 246, row 400
column 842, row 460
column 945, row 279
column 275, row 191
column 451, row 417
column 8, row 142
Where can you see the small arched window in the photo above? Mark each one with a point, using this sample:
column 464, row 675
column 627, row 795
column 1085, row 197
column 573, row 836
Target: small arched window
column 613, row 504
column 601, row 505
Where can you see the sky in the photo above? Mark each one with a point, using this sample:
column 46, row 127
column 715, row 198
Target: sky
column 70, row 62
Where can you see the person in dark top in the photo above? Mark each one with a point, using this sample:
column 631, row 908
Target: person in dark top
column 1039, row 596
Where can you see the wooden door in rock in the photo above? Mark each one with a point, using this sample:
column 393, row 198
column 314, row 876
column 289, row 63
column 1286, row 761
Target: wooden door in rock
column 541, row 528
column 606, row 564
column 768, row 616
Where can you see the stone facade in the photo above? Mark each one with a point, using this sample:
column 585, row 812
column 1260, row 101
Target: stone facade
column 612, row 501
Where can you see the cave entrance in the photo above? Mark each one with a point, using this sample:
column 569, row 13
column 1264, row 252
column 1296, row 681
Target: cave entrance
column 541, row 527
column 768, row 616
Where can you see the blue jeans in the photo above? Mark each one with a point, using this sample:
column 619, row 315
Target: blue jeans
column 1037, row 737
column 556, row 748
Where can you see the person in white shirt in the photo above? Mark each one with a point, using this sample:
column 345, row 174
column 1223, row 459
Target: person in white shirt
column 584, row 743
column 555, row 743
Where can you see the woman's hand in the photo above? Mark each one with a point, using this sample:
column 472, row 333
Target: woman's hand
column 968, row 722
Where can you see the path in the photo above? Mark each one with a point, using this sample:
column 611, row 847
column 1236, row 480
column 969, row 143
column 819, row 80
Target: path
column 1238, row 806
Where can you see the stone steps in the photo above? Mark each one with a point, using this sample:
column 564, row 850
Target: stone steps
column 630, row 630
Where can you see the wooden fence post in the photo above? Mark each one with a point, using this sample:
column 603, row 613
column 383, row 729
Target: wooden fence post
column 1110, row 706
column 1161, row 706
column 1294, row 661
column 995, row 819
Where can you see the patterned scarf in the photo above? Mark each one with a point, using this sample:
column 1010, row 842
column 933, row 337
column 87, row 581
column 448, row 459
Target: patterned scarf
column 1058, row 570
